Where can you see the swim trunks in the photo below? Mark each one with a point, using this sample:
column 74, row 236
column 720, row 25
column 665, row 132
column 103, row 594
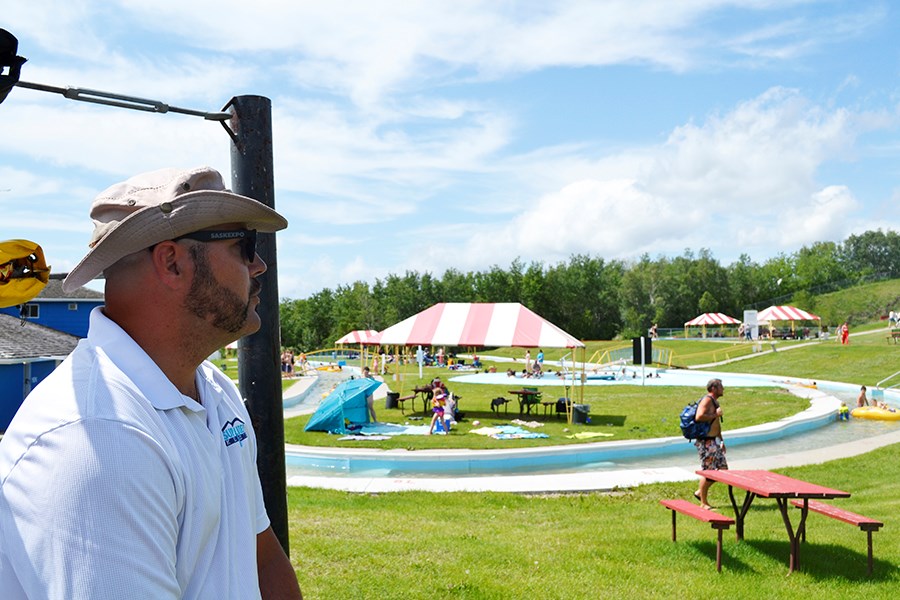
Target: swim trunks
column 712, row 454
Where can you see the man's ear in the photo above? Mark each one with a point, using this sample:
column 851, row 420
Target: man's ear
column 171, row 263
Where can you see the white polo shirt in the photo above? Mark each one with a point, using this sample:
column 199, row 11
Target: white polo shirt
column 115, row 485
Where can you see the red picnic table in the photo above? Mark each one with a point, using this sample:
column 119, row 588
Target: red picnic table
column 766, row 484
column 424, row 392
column 526, row 399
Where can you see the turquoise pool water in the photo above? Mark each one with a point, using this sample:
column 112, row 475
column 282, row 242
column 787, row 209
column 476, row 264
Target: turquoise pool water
column 815, row 428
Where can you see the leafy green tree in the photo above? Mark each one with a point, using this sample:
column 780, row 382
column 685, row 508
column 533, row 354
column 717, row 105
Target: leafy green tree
column 309, row 322
column 586, row 297
column 777, row 279
column 398, row 298
column 536, row 293
column 496, row 285
column 743, row 285
column 593, row 299
column 456, row 286
column 873, row 252
column 708, row 303
column 354, row 307
column 819, row 265
column 642, row 296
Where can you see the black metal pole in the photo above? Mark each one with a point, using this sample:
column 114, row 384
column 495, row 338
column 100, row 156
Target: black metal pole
column 259, row 356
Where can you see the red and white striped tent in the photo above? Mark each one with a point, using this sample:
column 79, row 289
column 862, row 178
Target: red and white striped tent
column 710, row 319
column 358, row 336
column 462, row 324
column 785, row 313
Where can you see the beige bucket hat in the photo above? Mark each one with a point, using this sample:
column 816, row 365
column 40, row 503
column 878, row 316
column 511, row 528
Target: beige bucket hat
column 162, row 205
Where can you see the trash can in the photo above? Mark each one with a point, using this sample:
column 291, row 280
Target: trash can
column 390, row 400
column 580, row 413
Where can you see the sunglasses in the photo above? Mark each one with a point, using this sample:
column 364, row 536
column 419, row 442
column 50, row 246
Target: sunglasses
column 247, row 238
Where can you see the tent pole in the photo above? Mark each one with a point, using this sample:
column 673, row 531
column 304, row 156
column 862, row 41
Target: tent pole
column 583, row 370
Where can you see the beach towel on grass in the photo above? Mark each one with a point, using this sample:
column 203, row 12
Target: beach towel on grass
column 508, row 432
column 392, row 429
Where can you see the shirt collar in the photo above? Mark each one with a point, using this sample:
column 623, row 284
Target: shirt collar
column 131, row 359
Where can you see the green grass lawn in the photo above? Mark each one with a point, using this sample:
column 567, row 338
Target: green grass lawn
column 626, row 412
column 597, row 545
column 866, row 361
column 601, row 545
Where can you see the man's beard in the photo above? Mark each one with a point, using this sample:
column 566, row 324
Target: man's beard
column 209, row 298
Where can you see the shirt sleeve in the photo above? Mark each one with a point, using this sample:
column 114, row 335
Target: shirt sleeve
column 90, row 510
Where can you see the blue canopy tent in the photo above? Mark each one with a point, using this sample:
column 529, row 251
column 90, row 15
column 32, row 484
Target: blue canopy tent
column 345, row 404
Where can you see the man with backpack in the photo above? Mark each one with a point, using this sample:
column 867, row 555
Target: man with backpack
column 711, row 447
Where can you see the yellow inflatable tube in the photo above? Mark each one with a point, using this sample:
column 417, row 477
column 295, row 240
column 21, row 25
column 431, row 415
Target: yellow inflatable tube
column 872, row 412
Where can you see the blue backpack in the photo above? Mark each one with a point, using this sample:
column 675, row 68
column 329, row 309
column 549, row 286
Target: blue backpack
column 690, row 427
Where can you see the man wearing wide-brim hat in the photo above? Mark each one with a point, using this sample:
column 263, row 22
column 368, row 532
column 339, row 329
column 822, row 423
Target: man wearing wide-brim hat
column 130, row 471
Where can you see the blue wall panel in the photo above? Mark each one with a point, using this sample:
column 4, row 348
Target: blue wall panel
column 11, row 379
column 57, row 315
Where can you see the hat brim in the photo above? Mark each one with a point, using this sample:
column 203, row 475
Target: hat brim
column 185, row 214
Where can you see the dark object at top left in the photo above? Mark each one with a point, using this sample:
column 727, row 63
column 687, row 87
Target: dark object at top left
column 10, row 63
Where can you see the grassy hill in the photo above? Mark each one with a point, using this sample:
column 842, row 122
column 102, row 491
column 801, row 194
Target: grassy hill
column 861, row 304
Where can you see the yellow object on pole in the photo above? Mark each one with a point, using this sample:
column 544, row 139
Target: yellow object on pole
column 23, row 272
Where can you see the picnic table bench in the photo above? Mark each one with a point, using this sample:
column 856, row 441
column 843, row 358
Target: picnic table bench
column 765, row 484
column 718, row 522
column 864, row 523
column 498, row 403
column 403, row 399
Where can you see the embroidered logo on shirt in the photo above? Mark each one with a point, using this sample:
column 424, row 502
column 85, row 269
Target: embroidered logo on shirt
column 233, row 432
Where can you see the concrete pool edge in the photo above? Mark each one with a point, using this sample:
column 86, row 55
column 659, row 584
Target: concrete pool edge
column 592, row 481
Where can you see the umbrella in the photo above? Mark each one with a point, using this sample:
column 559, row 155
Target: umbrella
column 345, row 404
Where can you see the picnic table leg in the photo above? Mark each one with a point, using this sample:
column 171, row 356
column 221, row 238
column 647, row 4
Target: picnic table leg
column 740, row 512
column 794, row 561
column 673, row 528
column 719, row 551
column 869, row 534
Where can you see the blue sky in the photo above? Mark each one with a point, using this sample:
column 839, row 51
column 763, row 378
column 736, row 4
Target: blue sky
column 428, row 135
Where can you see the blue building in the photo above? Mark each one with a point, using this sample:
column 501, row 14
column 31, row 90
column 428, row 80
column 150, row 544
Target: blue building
column 36, row 337
column 55, row 309
column 28, row 353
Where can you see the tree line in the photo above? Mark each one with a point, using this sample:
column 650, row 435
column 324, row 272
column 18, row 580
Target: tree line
column 595, row 299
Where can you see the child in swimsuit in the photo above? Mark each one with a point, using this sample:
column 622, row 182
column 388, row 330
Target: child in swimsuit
column 438, row 400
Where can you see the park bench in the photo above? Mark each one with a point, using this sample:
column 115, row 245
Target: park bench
column 894, row 336
column 864, row 523
column 718, row 522
column 401, row 401
column 498, row 403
